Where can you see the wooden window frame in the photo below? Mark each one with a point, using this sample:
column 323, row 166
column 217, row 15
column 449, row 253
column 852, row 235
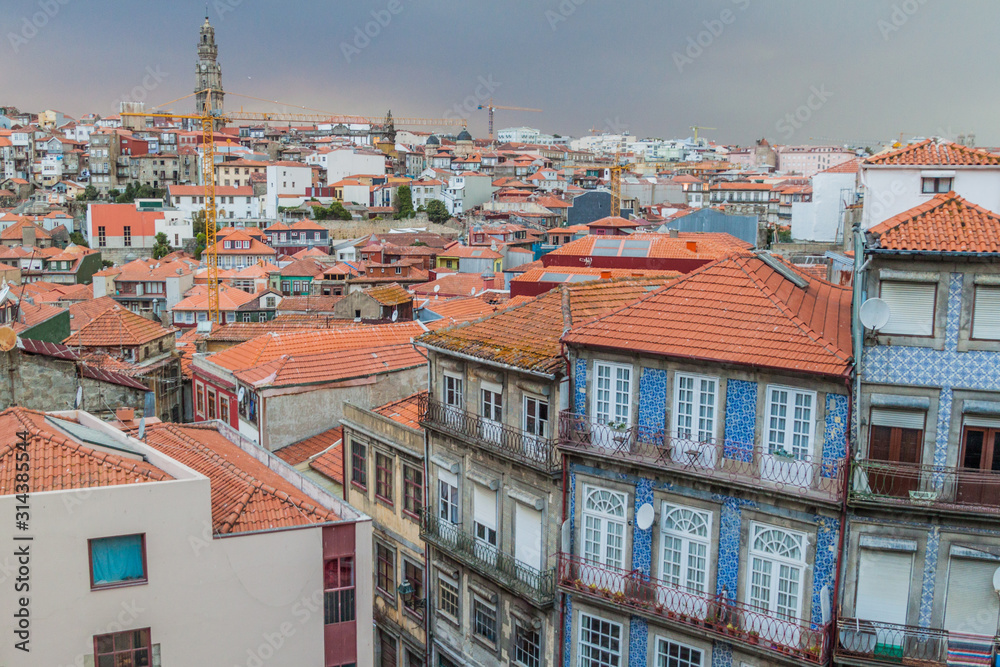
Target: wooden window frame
column 385, row 477
column 117, row 584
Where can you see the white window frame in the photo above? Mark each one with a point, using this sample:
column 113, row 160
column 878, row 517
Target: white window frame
column 446, row 391
column 616, row 656
column 614, row 412
column 663, row 659
column 773, row 586
column 541, row 427
column 888, row 329
column 448, row 502
column 789, row 432
column 990, row 329
column 694, row 431
column 599, row 521
column 688, row 544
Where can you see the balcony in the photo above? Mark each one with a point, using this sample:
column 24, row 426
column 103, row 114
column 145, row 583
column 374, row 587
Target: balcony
column 925, row 487
column 735, row 622
column 727, row 461
column 536, row 586
column 860, row 641
column 535, row 451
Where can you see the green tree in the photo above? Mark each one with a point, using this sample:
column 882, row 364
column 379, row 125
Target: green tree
column 77, row 239
column 338, row 212
column 201, row 246
column 437, row 211
column 113, row 194
column 89, row 194
column 198, row 222
column 162, row 246
column 404, row 203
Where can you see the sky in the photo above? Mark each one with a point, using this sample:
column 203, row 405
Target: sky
column 791, row 71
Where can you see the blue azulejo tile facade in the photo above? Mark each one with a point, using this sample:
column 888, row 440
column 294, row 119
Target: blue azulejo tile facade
column 652, row 400
column 642, row 540
column 580, row 387
column 835, row 441
column 825, row 566
column 741, row 419
column 638, row 642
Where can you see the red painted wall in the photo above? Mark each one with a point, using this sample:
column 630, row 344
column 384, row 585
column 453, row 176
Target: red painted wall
column 340, row 641
column 222, row 394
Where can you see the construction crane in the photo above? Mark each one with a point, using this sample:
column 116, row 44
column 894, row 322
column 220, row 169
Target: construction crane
column 212, row 118
column 700, row 127
column 489, row 106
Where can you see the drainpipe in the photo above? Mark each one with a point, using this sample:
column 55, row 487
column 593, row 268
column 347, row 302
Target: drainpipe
column 567, row 324
column 835, row 602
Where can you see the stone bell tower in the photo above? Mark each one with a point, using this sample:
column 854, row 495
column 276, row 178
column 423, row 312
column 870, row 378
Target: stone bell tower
column 208, row 74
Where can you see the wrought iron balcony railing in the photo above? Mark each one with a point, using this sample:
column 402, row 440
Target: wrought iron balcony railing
column 730, row 620
column 533, row 450
column 875, row 641
column 939, row 487
column 538, row 586
column 726, row 460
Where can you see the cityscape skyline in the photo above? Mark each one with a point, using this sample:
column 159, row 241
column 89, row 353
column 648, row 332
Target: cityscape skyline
column 747, row 69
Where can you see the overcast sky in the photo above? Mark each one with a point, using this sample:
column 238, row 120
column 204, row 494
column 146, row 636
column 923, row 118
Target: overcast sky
column 791, row 71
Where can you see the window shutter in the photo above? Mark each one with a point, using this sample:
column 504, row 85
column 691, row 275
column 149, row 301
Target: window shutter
column 528, row 535
column 971, row 606
column 986, row 313
column 485, row 506
column 449, row 478
column 911, row 308
column 883, row 586
column 911, row 419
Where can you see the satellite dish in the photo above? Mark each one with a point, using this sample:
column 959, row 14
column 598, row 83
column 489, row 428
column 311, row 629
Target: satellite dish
column 395, row 315
column 142, row 427
column 8, row 339
column 824, row 603
column 874, row 313
column 239, row 394
column 437, row 288
column 996, row 580
column 644, row 517
column 79, row 396
column 472, row 292
column 4, row 292
column 564, row 536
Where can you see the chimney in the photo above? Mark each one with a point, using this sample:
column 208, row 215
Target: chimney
column 605, row 275
column 692, row 246
column 125, row 414
column 674, row 234
column 28, row 235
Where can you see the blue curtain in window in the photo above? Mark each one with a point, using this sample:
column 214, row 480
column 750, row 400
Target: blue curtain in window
column 117, row 559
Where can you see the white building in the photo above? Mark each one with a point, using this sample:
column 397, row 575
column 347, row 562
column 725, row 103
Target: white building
column 808, row 160
column 423, row 190
column 231, row 202
column 285, row 179
column 896, row 181
column 467, row 190
column 822, row 219
column 343, row 161
column 518, row 135
column 190, row 548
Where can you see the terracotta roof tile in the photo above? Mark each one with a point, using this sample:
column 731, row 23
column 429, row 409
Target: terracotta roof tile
column 452, row 284
column 392, row 294
column 707, row 245
column 945, row 223
column 306, row 449
column 331, row 366
column 459, row 309
column 737, row 310
column 84, row 312
column 117, row 326
column 331, row 463
column 405, row 410
column 935, row 152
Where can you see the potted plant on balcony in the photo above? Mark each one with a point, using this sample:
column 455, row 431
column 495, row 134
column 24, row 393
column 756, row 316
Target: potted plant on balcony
column 593, row 588
column 814, row 652
column 783, row 455
column 618, row 597
column 753, row 637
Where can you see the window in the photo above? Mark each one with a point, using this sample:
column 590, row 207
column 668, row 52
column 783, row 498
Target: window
column 117, row 561
column 414, row 659
column 448, row 496
column 790, row 422
column 200, row 397
column 600, row 642
column 930, row 186
column 414, row 574
column 102, row 239
column 527, row 646
column 385, row 573
column 413, row 489
column 387, row 649
column 604, row 526
column 448, row 596
column 224, row 409
column 211, row 404
column 485, row 515
column 612, row 393
column 383, row 477
column 484, row 619
column 671, row 654
column 127, row 232
column 123, row 649
column 911, row 308
column 980, row 462
column 895, row 436
column 986, row 313
column 453, row 392
column 777, row 561
column 536, row 417
column 695, row 398
column 338, row 590
column 491, row 427
column 685, row 540
column 399, row 270
column 359, row 470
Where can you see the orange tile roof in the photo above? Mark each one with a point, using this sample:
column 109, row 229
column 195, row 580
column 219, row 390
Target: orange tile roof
column 452, row 284
column 460, row 309
column 60, row 463
column 306, row 449
column 945, row 223
column 274, row 345
column 476, row 252
column 256, row 247
column 331, row 463
column 230, row 299
column 246, row 495
column 614, row 221
column 562, row 274
column 312, row 303
column 737, row 310
column 405, row 410
column 527, row 336
column 301, row 267
column 115, row 327
column 84, row 312
column 31, row 314
column 13, row 233
column 935, row 152
column 392, row 294
column 709, row 245
column 331, row 366
column 849, row 167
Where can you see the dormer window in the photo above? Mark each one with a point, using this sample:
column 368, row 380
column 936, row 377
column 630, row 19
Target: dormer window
column 936, row 185
column 227, row 244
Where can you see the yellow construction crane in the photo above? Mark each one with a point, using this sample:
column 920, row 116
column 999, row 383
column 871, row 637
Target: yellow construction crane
column 213, row 117
column 489, row 106
column 616, row 185
column 700, row 127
